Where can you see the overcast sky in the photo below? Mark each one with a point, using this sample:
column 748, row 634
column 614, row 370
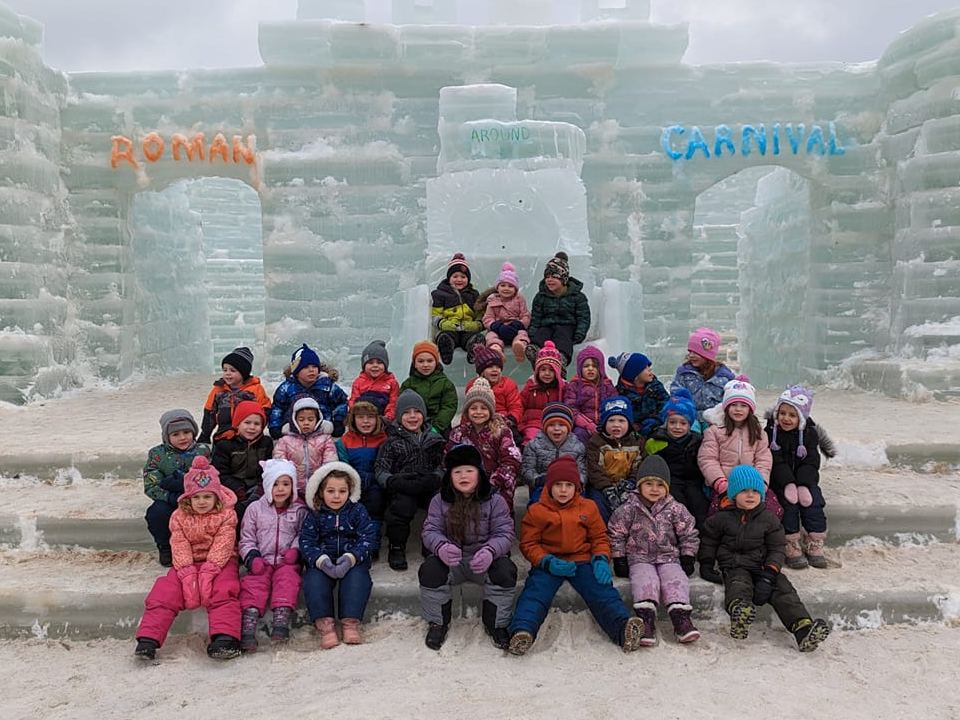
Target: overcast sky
column 134, row 34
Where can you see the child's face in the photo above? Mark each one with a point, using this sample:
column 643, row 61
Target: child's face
column 696, row 361
column 250, row 428
column 506, row 290
column 366, row 424
column 677, row 426
column 553, row 284
column 787, row 417
column 308, row 376
column 282, row 490
column 203, row 502
column 181, row 439
column 459, row 280
column 557, row 432
column 617, row 426
column 563, row 491
column 425, row 363
column 646, row 376
column 738, row 412
column 589, row 371
column 747, row 499
column 492, row 374
column 478, row 413
column 231, row 375
column 546, row 374
column 307, row 420
column 411, row 420
column 652, row 490
column 374, row 368
column 465, row 478
column 336, row 492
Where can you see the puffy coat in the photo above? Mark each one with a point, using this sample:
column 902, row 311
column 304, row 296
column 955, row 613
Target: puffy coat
column 238, row 463
column 657, row 534
column 268, row 532
column 210, row 537
column 218, row 409
column 335, row 532
column 452, row 310
column 359, row 451
column 647, row 404
column 164, row 470
column 381, row 391
column 570, row 308
column 501, row 457
column 706, row 393
column 507, row 398
column 574, row 531
column 748, row 539
column 534, row 398
column 586, row 398
column 680, row 456
column 329, row 396
column 438, row 393
column 307, row 452
column 720, row 453
column 609, row 461
column 540, row 452
column 787, row 467
column 410, row 462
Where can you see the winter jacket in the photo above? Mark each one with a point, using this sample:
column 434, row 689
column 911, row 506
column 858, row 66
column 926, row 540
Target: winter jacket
column 570, row 308
column 502, row 310
column 210, row 537
column 501, row 457
column 787, row 467
column 541, row 451
column 329, row 396
column 534, row 398
column 438, row 393
column 221, row 401
column 360, row 452
column 720, row 453
column 335, row 532
column 647, row 403
column 585, row 399
column 657, row 534
column 679, row 454
column 307, row 452
column 268, row 532
column 409, row 462
column 748, row 539
column 610, row 462
column 238, row 463
column 382, row 392
column 507, row 397
column 706, row 393
column 574, row 531
column 164, row 470
column 452, row 310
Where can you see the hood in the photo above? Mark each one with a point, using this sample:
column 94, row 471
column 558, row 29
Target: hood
column 314, row 482
column 300, row 404
column 591, row 352
column 274, row 469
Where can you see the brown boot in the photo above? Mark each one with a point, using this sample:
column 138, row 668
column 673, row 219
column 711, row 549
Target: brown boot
column 814, row 550
column 351, row 631
column 328, row 632
column 795, row 557
column 519, row 346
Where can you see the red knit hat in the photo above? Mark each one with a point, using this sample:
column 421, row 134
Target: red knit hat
column 563, row 469
column 245, row 409
column 484, row 357
column 549, row 355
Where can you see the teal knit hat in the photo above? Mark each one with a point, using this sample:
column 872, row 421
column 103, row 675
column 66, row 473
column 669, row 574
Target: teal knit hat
column 745, row 477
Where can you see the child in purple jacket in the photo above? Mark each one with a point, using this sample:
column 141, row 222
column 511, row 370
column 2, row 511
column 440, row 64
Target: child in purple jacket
column 587, row 392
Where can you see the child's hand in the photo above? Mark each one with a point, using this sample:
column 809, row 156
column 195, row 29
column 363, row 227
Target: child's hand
column 258, row 566
column 601, row 570
column 208, row 573
column 326, row 566
column 557, row 567
column 343, row 566
column 189, row 586
column 450, row 554
column 291, row 556
column 686, row 562
column 764, row 586
column 720, row 486
column 621, row 567
column 481, row 561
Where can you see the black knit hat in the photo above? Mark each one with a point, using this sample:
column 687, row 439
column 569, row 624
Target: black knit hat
column 241, row 358
column 559, row 267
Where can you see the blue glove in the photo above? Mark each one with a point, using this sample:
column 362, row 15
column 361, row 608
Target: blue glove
column 557, row 567
column 601, row 570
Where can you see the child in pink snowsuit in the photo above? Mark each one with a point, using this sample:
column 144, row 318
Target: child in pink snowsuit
column 269, row 542
column 506, row 318
column 203, row 532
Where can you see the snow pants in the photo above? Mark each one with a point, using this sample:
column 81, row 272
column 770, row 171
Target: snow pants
column 738, row 585
column 353, row 592
column 812, row 518
column 665, row 583
column 158, row 522
column 280, row 585
column 510, row 330
column 562, row 337
column 499, row 584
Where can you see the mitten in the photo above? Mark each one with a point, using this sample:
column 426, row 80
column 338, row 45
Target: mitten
column 720, row 486
column 790, row 493
column 291, row 556
column 804, row 496
column 258, row 566
column 337, row 428
column 344, row 564
column 764, row 586
column 687, row 562
column 557, row 567
column 709, row 573
column 621, row 568
column 450, row 554
column 325, row 565
column 208, row 573
column 189, row 586
column 481, row 560
column 601, row 570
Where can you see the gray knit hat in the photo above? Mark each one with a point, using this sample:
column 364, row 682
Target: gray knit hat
column 376, row 350
column 177, row 419
column 410, row 399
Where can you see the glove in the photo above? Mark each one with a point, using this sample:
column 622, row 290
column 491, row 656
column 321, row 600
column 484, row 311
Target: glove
column 337, row 428
column 208, row 573
column 326, row 566
column 764, row 586
column 481, row 560
column 720, row 486
column 401, row 482
column 291, row 556
column 343, row 566
column 686, row 562
column 612, row 497
column 709, row 573
column 621, row 568
column 189, row 586
column 557, row 567
column 450, row 554
column 258, row 566
column 601, row 570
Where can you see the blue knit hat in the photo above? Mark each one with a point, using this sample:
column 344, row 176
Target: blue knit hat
column 617, row 405
column 302, row 357
column 629, row 365
column 680, row 403
column 745, row 477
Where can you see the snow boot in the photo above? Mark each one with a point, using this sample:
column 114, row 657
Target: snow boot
column 248, row 630
column 280, row 631
column 634, row 634
column 437, row 632
column 814, row 550
column 351, row 631
column 518, row 348
column 810, row 633
column 530, row 352
column 223, row 647
column 328, row 632
column 146, row 649
column 446, row 345
column 796, row 560
column 499, row 635
column 646, row 610
column 683, row 626
column 397, row 558
column 742, row 615
column 472, row 344
column 165, row 556
column 520, row 642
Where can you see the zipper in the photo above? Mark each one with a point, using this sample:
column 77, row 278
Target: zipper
column 276, row 541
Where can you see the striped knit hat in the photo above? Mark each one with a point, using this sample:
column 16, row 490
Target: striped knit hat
column 458, row 263
column 557, row 412
column 480, row 391
column 549, row 355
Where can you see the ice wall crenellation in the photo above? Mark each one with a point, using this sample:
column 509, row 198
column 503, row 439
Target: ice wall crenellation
column 841, row 253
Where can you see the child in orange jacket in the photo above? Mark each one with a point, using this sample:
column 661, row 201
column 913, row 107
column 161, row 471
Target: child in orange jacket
column 235, row 386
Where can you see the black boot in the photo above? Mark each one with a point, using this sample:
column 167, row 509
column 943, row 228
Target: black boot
column 446, row 345
column 223, row 647
column 437, row 634
column 810, row 633
column 248, row 630
column 397, row 558
column 165, row 556
column 280, row 631
column 531, row 354
column 146, row 648
column 499, row 635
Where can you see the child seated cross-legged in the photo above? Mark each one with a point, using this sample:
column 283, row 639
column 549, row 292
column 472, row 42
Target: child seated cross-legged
column 565, row 539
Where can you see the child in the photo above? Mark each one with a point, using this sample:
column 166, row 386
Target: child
column 560, row 311
column 306, row 375
column 587, row 392
column 612, row 456
column 554, row 440
column 544, row 386
column 375, row 383
column 202, row 535
column 429, row 381
column 468, row 533
column 408, row 469
column 734, row 438
column 237, row 384
column 269, row 548
column 638, row 384
column 358, row 448
column 747, row 541
column 237, row 458
column 795, row 476
column 679, row 445
column 481, row 427
column 337, row 541
column 564, row 538
column 506, row 316
column 654, row 543
column 700, row 373
column 163, row 475
column 489, row 365
column 453, row 315
column 306, row 442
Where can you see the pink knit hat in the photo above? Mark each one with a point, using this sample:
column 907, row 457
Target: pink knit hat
column 740, row 390
column 705, row 342
column 549, row 355
column 508, row 275
column 204, row 477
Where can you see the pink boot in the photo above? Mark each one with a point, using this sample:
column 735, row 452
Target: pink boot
column 814, row 550
column 519, row 348
column 328, row 633
column 351, row 631
column 796, row 560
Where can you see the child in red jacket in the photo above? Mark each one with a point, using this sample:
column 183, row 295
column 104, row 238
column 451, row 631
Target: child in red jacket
column 489, row 365
column 375, row 383
column 544, row 386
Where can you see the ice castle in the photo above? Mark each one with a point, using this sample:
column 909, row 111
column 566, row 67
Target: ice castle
column 150, row 221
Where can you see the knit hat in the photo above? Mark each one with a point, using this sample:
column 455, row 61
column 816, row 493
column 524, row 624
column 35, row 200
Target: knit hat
column 246, row 408
column 563, row 469
column 680, row 403
column 304, row 403
column 313, row 484
column 591, row 352
column 480, row 391
column 508, row 275
column 557, row 412
column 204, row 477
column 739, row 390
column 800, row 399
column 458, row 263
column 704, row 342
column 425, row 346
column 745, row 477
column 629, row 365
column 410, row 399
column 653, row 466
column 242, row 359
column 484, row 357
column 272, row 471
column 177, row 419
column 457, row 456
column 549, row 355
column 559, row 267
column 617, row 405
column 302, row 357
column 376, row 350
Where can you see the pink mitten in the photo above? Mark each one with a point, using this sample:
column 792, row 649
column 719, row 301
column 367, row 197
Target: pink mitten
column 189, row 586
column 481, row 560
column 450, row 554
column 804, row 496
column 291, row 556
column 720, row 486
column 208, row 573
column 790, row 493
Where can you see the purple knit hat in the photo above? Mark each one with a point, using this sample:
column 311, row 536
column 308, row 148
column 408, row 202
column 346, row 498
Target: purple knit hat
column 508, row 275
column 800, row 399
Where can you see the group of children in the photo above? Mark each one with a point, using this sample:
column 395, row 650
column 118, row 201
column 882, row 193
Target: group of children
column 624, row 479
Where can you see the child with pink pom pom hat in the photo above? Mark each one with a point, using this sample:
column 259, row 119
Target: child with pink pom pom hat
column 506, row 317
